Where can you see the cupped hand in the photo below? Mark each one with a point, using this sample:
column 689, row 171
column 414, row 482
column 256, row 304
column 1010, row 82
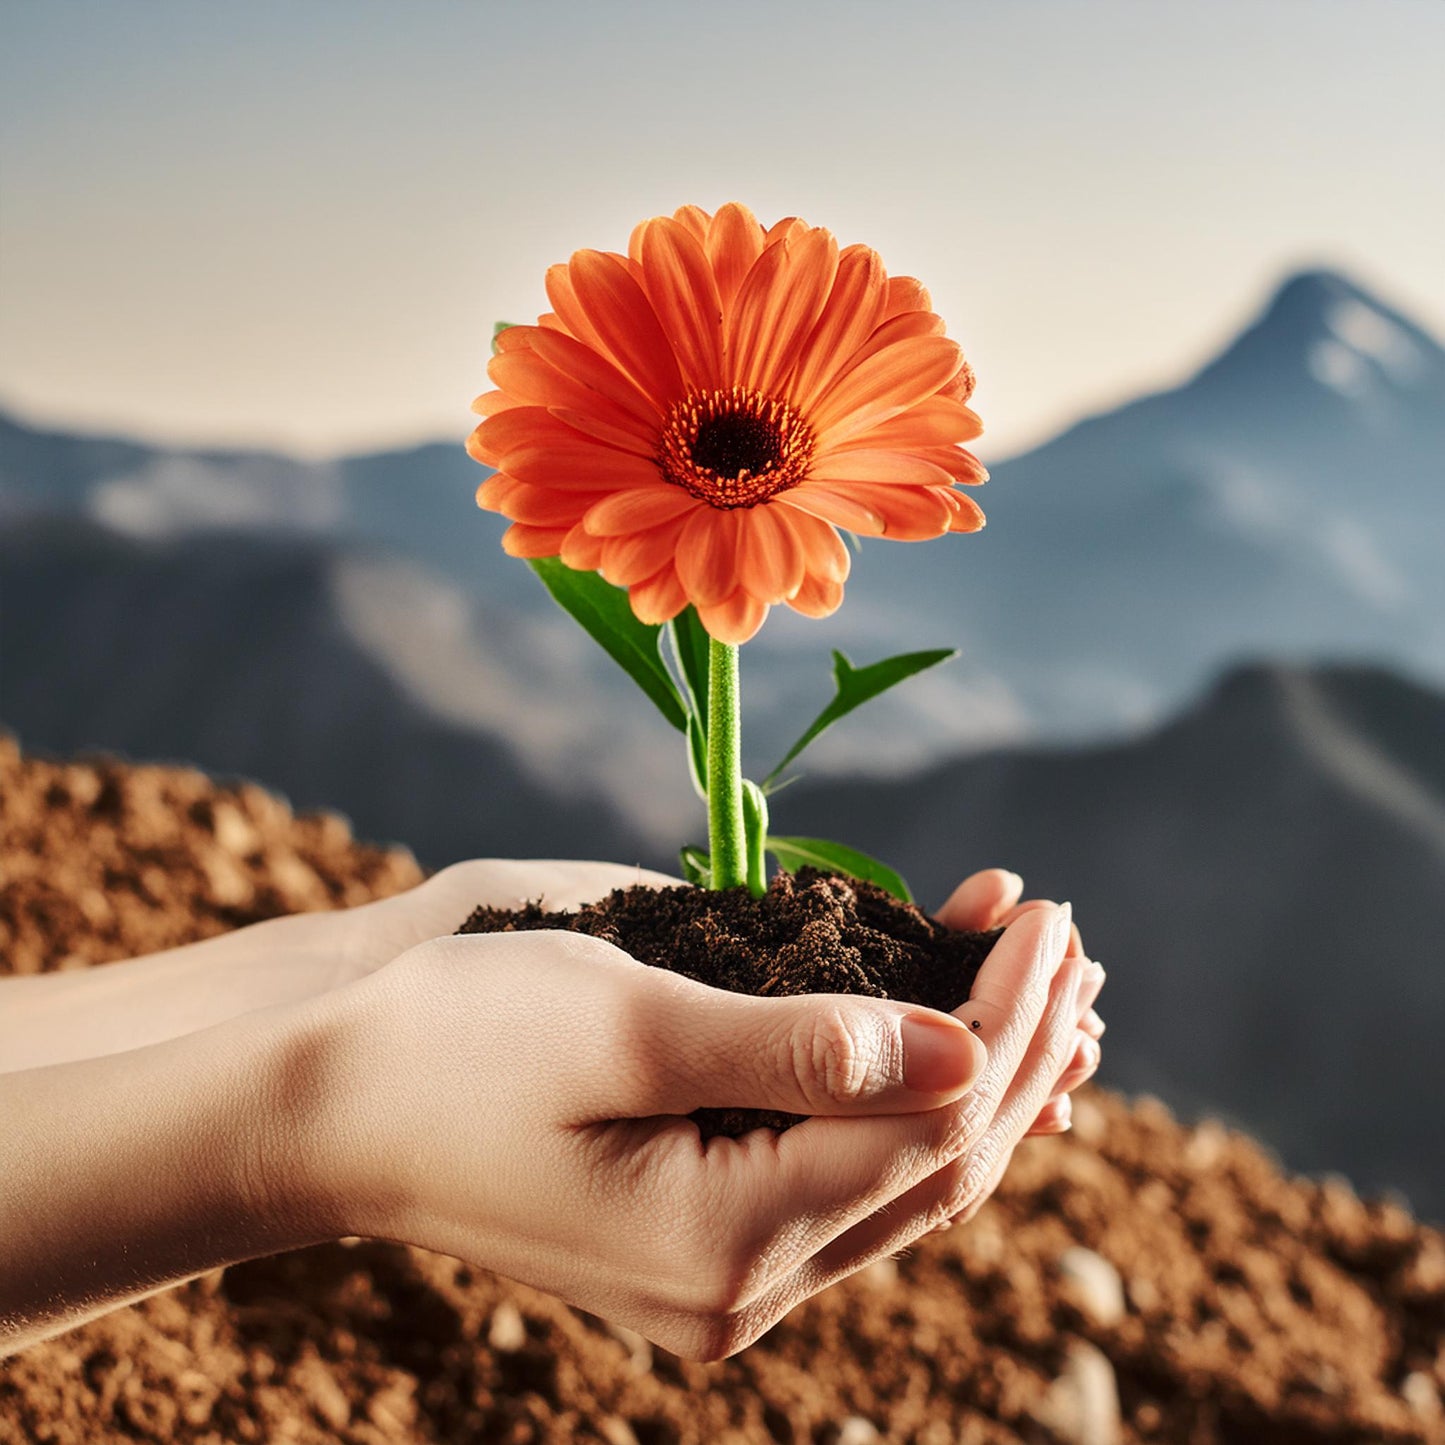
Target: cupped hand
column 520, row 1101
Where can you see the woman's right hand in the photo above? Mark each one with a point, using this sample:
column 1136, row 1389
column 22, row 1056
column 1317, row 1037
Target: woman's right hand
column 519, row 1101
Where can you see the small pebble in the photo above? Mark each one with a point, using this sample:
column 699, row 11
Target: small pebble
column 1096, row 1284
column 508, row 1331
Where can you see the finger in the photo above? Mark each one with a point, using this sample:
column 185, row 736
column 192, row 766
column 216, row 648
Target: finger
column 1076, row 939
column 981, row 900
column 971, row 1177
column 798, row 1192
column 814, row 1054
column 1056, row 1117
column 1092, row 1024
column 1083, row 1065
column 1092, row 986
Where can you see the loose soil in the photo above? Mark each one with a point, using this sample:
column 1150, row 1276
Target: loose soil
column 1135, row 1280
column 809, row 933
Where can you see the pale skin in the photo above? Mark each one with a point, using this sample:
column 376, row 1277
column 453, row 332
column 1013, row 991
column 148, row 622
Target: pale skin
column 515, row 1100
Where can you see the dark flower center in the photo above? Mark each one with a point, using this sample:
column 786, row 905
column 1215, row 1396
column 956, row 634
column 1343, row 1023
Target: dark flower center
column 734, row 448
column 735, row 443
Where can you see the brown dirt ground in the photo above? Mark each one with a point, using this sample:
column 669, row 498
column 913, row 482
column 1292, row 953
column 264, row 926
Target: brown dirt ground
column 1135, row 1280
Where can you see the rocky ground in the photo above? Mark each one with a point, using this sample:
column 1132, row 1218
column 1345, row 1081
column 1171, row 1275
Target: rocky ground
column 1133, row 1281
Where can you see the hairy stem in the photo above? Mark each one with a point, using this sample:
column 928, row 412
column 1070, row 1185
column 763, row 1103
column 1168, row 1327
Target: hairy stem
column 726, row 835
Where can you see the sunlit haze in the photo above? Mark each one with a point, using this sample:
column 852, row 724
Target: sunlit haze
column 293, row 224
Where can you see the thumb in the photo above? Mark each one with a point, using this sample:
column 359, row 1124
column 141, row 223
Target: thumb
column 806, row 1054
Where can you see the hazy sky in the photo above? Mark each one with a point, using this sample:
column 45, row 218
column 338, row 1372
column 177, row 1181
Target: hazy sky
column 293, row 221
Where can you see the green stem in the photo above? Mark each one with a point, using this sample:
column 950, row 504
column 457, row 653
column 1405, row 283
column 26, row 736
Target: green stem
column 726, row 835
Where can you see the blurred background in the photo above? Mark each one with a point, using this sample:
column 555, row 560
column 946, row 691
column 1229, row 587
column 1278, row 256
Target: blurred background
column 251, row 260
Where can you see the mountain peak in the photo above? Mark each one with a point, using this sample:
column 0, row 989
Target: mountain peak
column 1332, row 334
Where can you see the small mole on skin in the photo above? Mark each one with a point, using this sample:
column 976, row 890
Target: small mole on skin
column 977, row 1024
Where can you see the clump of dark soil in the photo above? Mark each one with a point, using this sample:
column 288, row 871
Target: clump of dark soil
column 811, row 932
column 1133, row 1281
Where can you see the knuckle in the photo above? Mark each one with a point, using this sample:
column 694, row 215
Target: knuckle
column 831, row 1058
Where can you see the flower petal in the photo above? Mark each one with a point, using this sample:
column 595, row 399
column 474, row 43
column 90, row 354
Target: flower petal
column 837, row 506
column 777, row 306
column 735, row 620
column 695, row 219
column 968, row 515
column 639, row 555
column 536, row 506
column 827, row 553
column 770, row 553
column 592, row 370
column 526, row 376
column 907, row 293
column 659, row 599
column 627, row 327
column 489, row 403
column 935, row 422
column 853, row 309
column 520, row 540
column 707, row 555
column 817, row 597
column 889, row 468
column 888, row 382
column 581, row 550
column 519, row 426
column 734, row 243
column 684, row 294
column 580, row 466
column 639, row 509
column 910, row 514
column 961, row 465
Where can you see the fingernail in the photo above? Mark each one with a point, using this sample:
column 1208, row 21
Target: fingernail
column 1017, row 884
column 939, row 1053
column 1059, row 928
column 1092, row 984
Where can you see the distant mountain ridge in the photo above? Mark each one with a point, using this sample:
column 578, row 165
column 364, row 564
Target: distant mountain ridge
column 1287, row 500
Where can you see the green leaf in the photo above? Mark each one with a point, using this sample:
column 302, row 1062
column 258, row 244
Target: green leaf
column 497, row 330
column 689, row 641
column 607, row 615
column 856, row 685
column 795, row 853
column 690, row 647
column 696, row 866
column 755, row 830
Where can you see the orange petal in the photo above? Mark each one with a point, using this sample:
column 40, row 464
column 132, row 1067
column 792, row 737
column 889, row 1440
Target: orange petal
column 817, row 597
column 968, row 515
column 592, row 370
column 961, row 387
column 683, row 292
column 492, row 494
column 538, row 506
column 770, row 553
column 520, row 426
column 935, row 422
column 581, row 550
column 854, row 308
column 910, row 514
column 639, row 555
column 639, row 509
column 885, row 384
column 585, row 467
column 534, row 382
column 889, row 468
column 734, row 243
column 735, row 620
column 562, row 293
column 695, row 219
column 778, row 306
column 520, row 540
column 707, row 555
column 784, row 230
column 827, row 554
column 489, row 403
column 961, row 465
column 837, row 506
column 906, row 293
column 626, row 325
column 659, row 599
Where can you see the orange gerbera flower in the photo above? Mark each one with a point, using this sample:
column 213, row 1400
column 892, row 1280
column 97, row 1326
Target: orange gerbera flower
column 696, row 419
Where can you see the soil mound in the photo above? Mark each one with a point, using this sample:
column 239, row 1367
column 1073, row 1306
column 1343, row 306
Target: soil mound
column 1134, row 1281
